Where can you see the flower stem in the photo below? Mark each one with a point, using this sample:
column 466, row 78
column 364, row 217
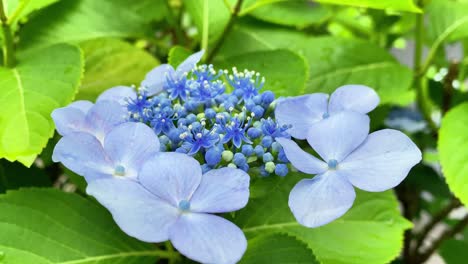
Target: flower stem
column 8, row 48
column 227, row 29
column 422, row 93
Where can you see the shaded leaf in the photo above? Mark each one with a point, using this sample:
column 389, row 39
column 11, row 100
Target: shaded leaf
column 177, row 55
column 15, row 175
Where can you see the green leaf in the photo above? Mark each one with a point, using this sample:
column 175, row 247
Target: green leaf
column 112, row 62
column 395, row 5
column 448, row 21
column 41, row 81
column 293, row 13
column 332, row 61
column 285, row 71
column 453, row 150
column 210, row 15
column 80, row 20
column 47, row 226
column 15, row 175
column 371, row 232
column 454, row 251
column 277, row 248
column 22, row 8
column 177, row 55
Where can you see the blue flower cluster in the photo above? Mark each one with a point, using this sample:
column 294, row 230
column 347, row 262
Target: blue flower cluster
column 194, row 114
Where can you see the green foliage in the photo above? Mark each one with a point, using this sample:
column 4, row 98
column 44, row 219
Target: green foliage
column 15, row 175
column 22, row 8
column 332, row 61
column 277, row 248
column 397, row 5
column 372, row 225
column 454, row 250
column 453, row 149
column 177, row 55
column 112, row 62
column 448, row 20
column 42, row 81
column 285, row 71
column 46, row 226
column 80, row 20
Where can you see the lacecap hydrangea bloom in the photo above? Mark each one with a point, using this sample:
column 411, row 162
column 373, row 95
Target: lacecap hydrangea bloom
column 350, row 157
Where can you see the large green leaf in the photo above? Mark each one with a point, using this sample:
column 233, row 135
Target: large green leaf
column 47, row 226
column 371, row 232
column 112, row 62
column 396, row 5
column 453, row 150
column 15, row 175
column 285, row 71
column 292, row 13
column 208, row 15
column 41, row 81
column 80, row 20
column 177, row 55
column 454, row 250
column 277, row 248
column 332, row 61
column 448, row 20
column 25, row 7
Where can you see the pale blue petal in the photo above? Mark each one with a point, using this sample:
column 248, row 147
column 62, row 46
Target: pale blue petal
column 337, row 136
column 301, row 112
column 82, row 105
column 318, row 201
column 222, row 190
column 155, row 79
column 68, row 120
column 103, row 117
column 119, row 94
column 208, row 239
column 83, row 154
column 136, row 211
column 358, row 98
column 188, row 64
column 171, row 176
column 130, row 145
column 382, row 161
column 300, row 159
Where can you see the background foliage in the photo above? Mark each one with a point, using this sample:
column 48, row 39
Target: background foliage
column 55, row 51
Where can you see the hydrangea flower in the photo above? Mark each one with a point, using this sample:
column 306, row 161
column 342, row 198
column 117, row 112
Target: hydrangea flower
column 175, row 202
column 374, row 163
column 124, row 150
column 302, row 112
column 83, row 116
column 119, row 94
column 155, row 81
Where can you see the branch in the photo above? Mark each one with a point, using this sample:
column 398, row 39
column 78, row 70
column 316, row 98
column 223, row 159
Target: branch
column 448, row 86
column 226, row 31
column 8, row 48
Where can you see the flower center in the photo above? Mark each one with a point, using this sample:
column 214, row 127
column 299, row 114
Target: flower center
column 119, row 170
column 325, row 115
column 332, row 164
column 184, row 205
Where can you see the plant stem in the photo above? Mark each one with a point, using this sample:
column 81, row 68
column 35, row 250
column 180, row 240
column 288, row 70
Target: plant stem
column 178, row 34
column 460, row 226
column 422, row 94
column 437, row 218
column 8, row 48
column 226, row 31
column 448, row 86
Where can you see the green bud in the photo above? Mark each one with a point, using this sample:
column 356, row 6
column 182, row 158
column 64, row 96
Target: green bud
column 227, row 155
column 232, row 165
column 270, row 167
column 200, row 116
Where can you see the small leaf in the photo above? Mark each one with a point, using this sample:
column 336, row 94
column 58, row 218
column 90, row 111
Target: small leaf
column 453, row 150
column 371, row 232
column 277, row 248
column 47, row 226
column 177, row 55
column 112, row 62
column 285, row 71
column 41, row 81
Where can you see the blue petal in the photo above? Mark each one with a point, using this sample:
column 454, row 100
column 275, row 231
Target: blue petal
column 136, row 211
column 337, row 136
column 68, row 120
column 82, row 105
column 318, row 201
column 300, row 159
column 208, row 239
column 83, row 154
column 171, row 176
column 357, row 98
column 119, row 94
column 130, row 145
column 155, row 79
column 104, row 116
column 301, row 112
column 222, row 190
column 382, row 161
column 190, row 62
